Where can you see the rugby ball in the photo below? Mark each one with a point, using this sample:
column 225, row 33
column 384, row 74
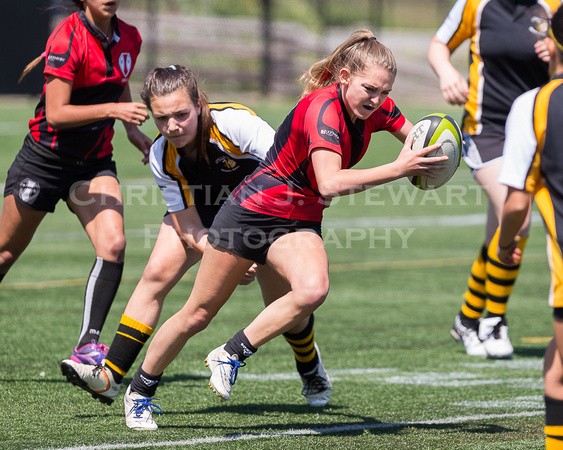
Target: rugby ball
column 432, row 129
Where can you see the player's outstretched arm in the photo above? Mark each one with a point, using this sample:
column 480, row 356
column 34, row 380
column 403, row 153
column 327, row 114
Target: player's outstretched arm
column 453, row 85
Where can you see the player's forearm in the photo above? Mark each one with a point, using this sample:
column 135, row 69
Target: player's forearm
column 513, row 216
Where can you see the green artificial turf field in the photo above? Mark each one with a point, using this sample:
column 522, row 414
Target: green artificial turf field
column 399, row 265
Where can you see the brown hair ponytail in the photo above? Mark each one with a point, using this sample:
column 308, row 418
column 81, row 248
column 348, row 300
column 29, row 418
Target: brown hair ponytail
column 30, row 67
column 33, row 64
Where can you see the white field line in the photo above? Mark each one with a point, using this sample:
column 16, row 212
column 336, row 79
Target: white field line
column 334, row 224
column 320, row 431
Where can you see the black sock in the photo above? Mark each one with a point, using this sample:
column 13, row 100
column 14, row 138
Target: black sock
column 101, row 288
column 128, row 342
column 240, row 345
column 2, row 277
column 489, row 314
column 466, row 321
column 303, row 345
column 145, row 384
column 553, row 421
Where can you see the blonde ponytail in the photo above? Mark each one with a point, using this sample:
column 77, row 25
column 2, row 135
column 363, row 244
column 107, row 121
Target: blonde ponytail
column 360, row 49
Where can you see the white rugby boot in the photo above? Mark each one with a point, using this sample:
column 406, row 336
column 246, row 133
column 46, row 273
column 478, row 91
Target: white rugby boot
column 469, row 337
column 224, row 371
column 97, row 380
column 138, row 411
column 493, row 332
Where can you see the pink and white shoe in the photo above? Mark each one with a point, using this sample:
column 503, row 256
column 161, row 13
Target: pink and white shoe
column 93, row 354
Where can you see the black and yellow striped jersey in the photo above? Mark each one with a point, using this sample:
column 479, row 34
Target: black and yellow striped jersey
column 533, row 160
column 239, row 140
column 502, row 62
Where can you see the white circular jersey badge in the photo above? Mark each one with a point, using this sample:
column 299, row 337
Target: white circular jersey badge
column 29, row 189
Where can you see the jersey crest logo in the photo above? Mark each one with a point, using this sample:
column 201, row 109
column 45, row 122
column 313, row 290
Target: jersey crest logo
column 29, row 189
column 228, row 164
column 539, row 26
column 125, row 64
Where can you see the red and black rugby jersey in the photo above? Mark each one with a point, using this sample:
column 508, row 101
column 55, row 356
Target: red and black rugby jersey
column 284, row 185
column 99, row 70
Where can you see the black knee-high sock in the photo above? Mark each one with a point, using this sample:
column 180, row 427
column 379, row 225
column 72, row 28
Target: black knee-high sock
column 2, row 276
column 128, row 342
column 240, row 345
column 101, row 288
column 553, row 423
column 303, row 345
column 145, row 384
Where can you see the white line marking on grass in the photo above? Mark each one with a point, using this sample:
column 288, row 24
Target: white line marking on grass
column 417, row 221
column 358, row 222
column 524, row 402
column 513, row 364
column 310, row 431
column 295, row 376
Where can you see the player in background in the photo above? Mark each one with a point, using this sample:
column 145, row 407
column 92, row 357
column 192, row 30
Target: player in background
column 204, row 150
column 532, row 167
column 274, row 217
column 507, row 58
column 68, row 153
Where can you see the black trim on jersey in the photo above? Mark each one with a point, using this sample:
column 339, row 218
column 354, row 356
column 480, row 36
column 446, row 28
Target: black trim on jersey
column 331, row 135
column 104, row 40
column 282, row 136
column 166, row 149
column 58, row 60
column 356, row 133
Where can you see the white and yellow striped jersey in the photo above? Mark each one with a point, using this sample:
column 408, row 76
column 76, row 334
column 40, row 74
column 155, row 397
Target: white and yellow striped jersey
column 239, row 140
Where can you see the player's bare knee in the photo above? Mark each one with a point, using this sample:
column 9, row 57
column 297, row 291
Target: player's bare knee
column 115, row 247
column 312, row 295
column 197, row 322
column 157, row 272
column 7, row 259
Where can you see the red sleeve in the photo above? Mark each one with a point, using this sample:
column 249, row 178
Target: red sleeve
column 64, row 51
column 322, row 124
column 387, row 118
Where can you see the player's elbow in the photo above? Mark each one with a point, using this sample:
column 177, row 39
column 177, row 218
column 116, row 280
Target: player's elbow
column 53, row 120
column 329, row 189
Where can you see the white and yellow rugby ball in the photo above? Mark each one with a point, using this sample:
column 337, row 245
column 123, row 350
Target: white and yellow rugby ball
column 432, row 129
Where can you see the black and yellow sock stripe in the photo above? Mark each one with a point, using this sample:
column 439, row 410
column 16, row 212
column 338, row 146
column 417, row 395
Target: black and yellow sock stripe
column 128, row 342
column 303, row 346
column 476, row 295
column 500, row 278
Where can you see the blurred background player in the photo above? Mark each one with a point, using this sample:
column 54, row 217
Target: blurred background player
column 68, row 153
column 507, row 58
column 274, row 217
column 203, row 151
column 532, row 166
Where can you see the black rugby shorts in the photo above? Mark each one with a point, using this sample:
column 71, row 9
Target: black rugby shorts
column 249, row 234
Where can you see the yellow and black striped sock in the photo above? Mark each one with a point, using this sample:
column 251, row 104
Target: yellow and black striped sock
column 476, row 295
column 303, row 345
column 500, row 278
column 128, row 342
column 553, row 423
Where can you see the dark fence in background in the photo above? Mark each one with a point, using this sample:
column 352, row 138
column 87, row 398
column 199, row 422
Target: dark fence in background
column 25, row 27
column 253, row 46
